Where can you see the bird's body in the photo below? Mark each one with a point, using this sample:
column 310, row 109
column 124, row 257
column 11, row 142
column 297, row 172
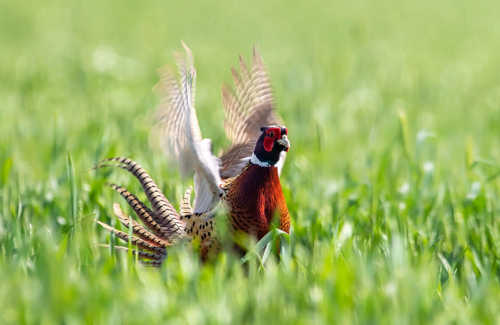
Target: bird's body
column 244, row 181
column 254, row 198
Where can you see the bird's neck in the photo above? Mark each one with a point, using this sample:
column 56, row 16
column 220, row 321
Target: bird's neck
column 261, row 162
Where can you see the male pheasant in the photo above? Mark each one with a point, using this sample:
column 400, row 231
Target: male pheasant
column 244, row 180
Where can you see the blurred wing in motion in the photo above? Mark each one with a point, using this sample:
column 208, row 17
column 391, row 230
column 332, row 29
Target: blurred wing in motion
column 181, row 135
column 248, row 109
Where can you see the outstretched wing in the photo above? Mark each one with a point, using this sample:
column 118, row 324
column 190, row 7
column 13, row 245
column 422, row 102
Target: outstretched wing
column 181, row 133
column 250, row 107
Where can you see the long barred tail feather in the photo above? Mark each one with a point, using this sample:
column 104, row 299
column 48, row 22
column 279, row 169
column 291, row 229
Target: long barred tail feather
column 155, row 247
column 141, row 254
column 165, row 214
column 134, row 240
column 145, row 258
column 161, row 226
column 148, row 217
column 138, row 229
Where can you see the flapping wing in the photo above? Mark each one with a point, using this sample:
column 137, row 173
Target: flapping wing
column 181, row 133
column 248, row 108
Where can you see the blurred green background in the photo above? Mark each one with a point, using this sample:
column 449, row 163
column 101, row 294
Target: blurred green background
column 393, row 109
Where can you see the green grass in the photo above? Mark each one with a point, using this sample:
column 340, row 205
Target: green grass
column 393, row 110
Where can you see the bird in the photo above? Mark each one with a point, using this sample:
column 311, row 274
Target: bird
column 243, row 182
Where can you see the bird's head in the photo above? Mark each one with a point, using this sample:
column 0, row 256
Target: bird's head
column 271, row 143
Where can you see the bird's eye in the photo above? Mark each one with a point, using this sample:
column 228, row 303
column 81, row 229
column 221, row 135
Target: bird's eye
column 271, row 134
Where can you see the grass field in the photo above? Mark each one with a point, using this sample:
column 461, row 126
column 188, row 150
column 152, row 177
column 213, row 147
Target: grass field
column 393, row 110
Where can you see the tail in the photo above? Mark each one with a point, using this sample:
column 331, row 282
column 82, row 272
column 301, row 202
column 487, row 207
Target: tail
column 163, row 226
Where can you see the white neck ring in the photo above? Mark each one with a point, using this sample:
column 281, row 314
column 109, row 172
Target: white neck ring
column 254, row 160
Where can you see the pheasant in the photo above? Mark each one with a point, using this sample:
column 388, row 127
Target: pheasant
column 244, row 181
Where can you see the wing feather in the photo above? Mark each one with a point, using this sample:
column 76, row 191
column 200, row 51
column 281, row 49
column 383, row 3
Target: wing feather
column 181, row 135
column 248, row 109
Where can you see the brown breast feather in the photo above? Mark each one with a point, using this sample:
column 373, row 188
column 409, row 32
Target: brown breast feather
column 255, row 197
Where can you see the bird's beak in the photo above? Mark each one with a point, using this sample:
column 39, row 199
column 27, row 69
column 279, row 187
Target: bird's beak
column 284, row 142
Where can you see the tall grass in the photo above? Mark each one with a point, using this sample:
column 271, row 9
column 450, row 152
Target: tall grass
column 393, row 110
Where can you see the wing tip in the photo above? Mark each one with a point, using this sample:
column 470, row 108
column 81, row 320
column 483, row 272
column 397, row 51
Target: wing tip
column 186, row 48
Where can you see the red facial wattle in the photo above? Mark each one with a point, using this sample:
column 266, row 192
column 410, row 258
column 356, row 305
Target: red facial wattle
column 268, row 144
column 271, row 135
